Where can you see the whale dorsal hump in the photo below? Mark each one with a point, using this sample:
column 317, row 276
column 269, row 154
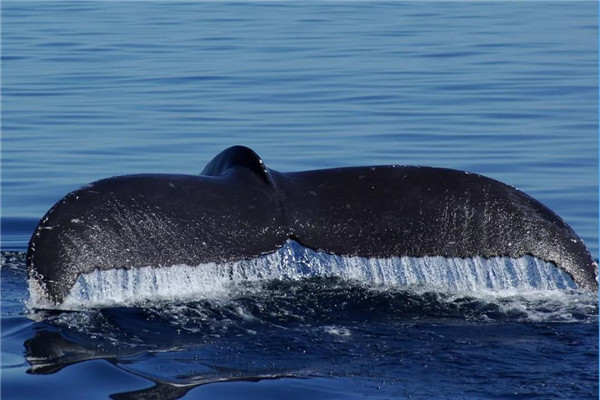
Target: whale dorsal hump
column 236, row 157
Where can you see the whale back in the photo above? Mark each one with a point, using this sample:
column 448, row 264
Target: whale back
column 237, row 157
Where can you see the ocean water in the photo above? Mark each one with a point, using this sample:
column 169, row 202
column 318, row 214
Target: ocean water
column 99, row 88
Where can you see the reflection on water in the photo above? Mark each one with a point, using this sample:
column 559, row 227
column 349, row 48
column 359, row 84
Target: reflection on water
column 316, row 327
column 48, row 352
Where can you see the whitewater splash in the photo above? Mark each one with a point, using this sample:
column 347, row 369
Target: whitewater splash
column 295, row 262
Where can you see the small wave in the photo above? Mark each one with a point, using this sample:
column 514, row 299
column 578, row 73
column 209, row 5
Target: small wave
column 495, row 276
column 14, row 260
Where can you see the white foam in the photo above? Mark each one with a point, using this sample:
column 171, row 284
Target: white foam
column 294, row 262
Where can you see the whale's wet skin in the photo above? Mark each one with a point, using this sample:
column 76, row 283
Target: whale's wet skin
column 296, row 314
column 411, row 224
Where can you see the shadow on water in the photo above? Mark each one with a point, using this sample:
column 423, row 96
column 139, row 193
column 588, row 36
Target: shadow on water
column 48, row 352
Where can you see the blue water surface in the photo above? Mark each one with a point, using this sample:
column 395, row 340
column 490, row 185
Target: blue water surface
column 98, row 88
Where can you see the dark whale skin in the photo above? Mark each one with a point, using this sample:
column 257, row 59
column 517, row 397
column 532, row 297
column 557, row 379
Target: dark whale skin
column 240, row 209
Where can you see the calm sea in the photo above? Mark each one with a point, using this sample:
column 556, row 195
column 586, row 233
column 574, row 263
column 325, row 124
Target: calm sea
column 92, row 89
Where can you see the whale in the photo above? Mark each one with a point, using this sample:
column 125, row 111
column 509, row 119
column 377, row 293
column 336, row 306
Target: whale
column 238, row 209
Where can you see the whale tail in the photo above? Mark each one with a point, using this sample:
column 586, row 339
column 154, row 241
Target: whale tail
column 239, row 209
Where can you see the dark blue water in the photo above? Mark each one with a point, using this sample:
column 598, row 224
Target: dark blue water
column 505, row 89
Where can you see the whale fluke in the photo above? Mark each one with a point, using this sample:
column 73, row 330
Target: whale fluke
column 240, row 209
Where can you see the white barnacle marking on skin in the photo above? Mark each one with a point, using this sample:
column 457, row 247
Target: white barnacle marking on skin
column 76, row 221
column 171, row 184
column 313, row 193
